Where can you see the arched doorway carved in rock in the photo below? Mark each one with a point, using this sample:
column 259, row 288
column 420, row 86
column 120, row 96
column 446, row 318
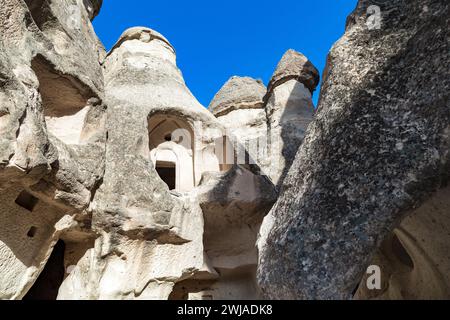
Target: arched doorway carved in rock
column 171, row 142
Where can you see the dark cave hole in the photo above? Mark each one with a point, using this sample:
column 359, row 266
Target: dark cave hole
column 47, row 285
column 26, row 200
column 167, row 172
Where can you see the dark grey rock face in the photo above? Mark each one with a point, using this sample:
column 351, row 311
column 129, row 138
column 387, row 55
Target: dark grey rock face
column 377, row 149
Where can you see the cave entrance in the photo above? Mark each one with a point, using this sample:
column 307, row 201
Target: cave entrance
column 172, row 151
column 167, row 172
column 47, row 284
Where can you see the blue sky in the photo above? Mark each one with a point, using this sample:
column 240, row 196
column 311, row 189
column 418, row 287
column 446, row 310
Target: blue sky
column 215, row 40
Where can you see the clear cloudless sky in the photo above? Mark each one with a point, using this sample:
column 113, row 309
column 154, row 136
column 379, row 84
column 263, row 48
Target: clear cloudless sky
column 215, row 39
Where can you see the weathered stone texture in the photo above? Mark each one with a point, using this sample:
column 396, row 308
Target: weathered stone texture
column 238, row 93
column 116, row 183
column 154, row 237
column 377, row 148
column 46, row 185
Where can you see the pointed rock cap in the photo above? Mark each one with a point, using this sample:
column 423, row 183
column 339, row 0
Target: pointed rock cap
column 238, row 93
column 141, row 33
column 295, row 65
column 93, row 7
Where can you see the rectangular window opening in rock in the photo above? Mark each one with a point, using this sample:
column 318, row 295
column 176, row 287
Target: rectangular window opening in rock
column 27, row 201
column 167, row 172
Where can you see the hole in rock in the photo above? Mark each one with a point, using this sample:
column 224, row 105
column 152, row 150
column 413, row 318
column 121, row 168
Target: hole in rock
column 167, row 172
column 27, row 200
column 32, row 232
column 47, row 284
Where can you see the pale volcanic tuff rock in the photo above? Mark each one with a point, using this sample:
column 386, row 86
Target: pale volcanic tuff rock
column 289, row 110
column 234, row 204
column 141, row 33
column 414, row 258
column 142, row 82
column 272, row 126
column 295, row 66
column 153, row 237
column 114, row 183
column 377, row 148
column 239, row 107
column 93, row 7
column 140, row 51
column 126, row 236
column 46, row 179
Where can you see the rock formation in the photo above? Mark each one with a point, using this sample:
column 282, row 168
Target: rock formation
column 52, row 134
column 116, row 183
column 157, row 243
column 270, row 123
column 239, row 106
column 377, row 149
column 289, row 111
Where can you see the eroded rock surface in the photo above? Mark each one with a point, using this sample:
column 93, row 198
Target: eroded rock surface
column 377, row 148
column 46, row 184
column 239, row 107
column 116, row 183
column 152, row 209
